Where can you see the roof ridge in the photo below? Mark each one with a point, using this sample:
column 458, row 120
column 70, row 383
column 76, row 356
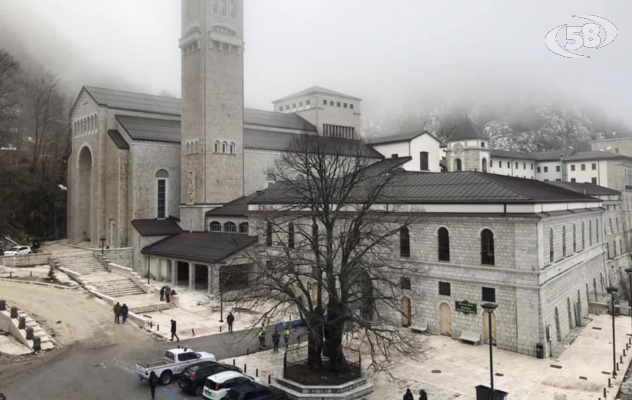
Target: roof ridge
column 130, row 92
column 485, row 176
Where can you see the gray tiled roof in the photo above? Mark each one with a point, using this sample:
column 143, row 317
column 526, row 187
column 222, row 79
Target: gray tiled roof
column 316, row 89
column 161, row 130
column 156, row 227
column 207, row 247
column 401, row 137
column 386, row 165
column 122, row 100
column 468, row 130
column 512, row 155
column 588, row 188
column 118, row 139
column 595, row 155
column 236, row 208
column 454, row 187
column 276, row 120
column 280, row 141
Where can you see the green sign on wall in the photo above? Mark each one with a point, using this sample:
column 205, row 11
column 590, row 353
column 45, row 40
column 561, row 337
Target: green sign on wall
column 465, row 307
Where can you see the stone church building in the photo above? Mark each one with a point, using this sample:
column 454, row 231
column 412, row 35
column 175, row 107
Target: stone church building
column 175, row 179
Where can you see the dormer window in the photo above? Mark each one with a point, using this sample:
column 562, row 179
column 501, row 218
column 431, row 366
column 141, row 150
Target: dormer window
column 482, row 144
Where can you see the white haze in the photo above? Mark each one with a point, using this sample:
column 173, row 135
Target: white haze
column 394, row 54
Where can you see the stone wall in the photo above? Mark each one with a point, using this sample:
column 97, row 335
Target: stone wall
column 29, row 260
column 122, row 256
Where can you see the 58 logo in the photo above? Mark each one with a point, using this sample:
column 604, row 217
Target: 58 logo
column 594, row 35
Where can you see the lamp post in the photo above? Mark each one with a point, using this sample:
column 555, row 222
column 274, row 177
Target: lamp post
column 489, row 309
column 102, row 246
column 613, row 291
column 221, row 304
column 629, row 271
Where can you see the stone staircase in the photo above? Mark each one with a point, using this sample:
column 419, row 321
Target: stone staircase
column 82, row 262
column 153, row 308
column 38, row 331
column 118, row 287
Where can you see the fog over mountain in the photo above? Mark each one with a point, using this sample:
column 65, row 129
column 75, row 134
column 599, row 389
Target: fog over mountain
column 415, row 63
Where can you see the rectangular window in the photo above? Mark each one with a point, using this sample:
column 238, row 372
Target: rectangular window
column 491, row 163
column 300, row 104
column 516, row 165
column 482, row 144
column 351, row 106
column 293, row 105
column 546, row 169
column 524, row 165
column 444, row 289
column 557, row 168
column 583, row 167
column 594, row 166
column 345, row 105
column 489, row 294
column 616, row 150
column 162, row 198
column 593, row 181
column 558, row 180
column 338, row 104
column 308, row 102
column 394, row 155
column 539, row 170
column 572, row 179
column 572, row 167
column 324, row 102
column 404, row 283
column 531, row 166
column 423, row 157
column 331, row 102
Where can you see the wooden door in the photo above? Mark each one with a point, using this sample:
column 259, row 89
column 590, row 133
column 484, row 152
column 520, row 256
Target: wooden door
column 446, row 319
column 486, row 328
column 406, row 312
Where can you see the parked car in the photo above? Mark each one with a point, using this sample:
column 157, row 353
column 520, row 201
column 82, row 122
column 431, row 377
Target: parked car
column 18, row 251
column 193, row 378
column 175, row 361
column 218, row 385
column 255, row 391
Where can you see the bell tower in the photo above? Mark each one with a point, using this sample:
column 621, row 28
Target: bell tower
column 468, row 148
column 212, row 107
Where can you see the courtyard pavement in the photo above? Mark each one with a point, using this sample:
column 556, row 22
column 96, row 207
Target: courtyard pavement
column 450, row 369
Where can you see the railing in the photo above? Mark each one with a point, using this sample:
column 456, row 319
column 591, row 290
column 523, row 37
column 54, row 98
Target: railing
column 295, row 364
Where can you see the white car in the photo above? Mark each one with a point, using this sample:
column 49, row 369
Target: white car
column 18, row 251
column 174, row 362
column 218, row 385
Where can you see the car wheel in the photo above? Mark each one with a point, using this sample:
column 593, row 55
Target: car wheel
column 165, row 378
column 199, row 390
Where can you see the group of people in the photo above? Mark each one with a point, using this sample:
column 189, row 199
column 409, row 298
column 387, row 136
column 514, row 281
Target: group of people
column 120, row 311
column 276, row 337
column 166, row 293
column 409, row 395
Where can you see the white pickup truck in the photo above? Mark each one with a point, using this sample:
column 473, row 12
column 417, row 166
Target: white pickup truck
column 174, row 363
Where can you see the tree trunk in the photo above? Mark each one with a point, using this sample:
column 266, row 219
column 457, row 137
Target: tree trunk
column 334, row 331
column 314, row 341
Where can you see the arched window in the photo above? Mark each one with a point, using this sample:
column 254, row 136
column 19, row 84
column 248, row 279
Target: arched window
column 574, row 239
column 230, row 227
column 564, row 241
column 196, row 150
column 617, row 219
column 484, row 169
column 162, row 177
column 487, row 247
column 457, row 164
column 216, row 147
column 583, row 237
column 224, row 147
column 270, row 179
column 290, row 235
column 597, row 228
column 423, row 161
column 404, row 242
column 551, row 246
column 608, row 249
column 610, row 221
column 188, row 148
column 444, row 244
column 232, row 147
column 216, row 226
column 590, row 232
column 269, row 234
column 244, row 227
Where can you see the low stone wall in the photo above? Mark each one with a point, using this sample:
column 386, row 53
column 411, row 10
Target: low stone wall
column 29, row 260
column 139, row 320
column 10, row 325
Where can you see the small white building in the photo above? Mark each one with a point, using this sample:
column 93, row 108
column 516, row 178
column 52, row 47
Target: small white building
column 422, row 147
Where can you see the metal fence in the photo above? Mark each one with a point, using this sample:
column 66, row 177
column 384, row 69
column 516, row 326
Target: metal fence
column 295, row 364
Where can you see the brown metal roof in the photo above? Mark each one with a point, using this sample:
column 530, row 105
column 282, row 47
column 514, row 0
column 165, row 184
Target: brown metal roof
column 156, row 227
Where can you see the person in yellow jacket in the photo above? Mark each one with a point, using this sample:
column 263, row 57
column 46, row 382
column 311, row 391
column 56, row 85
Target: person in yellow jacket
column 262, row 338
column 286, row 336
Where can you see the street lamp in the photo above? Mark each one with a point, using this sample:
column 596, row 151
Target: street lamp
column 613, row 290
column 489, row 309
column 629, row 271
column 221, row 304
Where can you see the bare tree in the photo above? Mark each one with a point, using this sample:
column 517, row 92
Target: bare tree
column 329, row 229
column 9, row 94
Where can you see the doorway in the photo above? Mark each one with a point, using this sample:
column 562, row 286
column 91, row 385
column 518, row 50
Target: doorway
column 570, row 314
column 183, row 273
column 487, row 330
column 201, row 277
column 557, row 325
column 84, row 196
column 406, row 312
column 446, row 319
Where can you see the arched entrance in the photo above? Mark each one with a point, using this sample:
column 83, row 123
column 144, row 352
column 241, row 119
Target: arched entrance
column 83, row 217
column 484, row 165
column 406, row 312
column 457, row 165
column 557, row 325
column 486, row 329
column 363, row 298
column 446, row 319
column 570, row 313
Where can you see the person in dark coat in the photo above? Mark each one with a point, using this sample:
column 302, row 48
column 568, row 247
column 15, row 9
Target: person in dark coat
column 117, row 313
column 423, row 395
column 173, row 330
column 168, row 294
column 276, row 338
column 124, row 312
column 230, row 319
column 408, row 395
column 153, row 382
column 162, row 293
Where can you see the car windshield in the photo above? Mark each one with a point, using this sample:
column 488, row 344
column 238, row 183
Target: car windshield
column 15, row 248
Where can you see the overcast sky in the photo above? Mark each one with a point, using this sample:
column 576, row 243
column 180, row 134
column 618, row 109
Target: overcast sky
column 391, row 53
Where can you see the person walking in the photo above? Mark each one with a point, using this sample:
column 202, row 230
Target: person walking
column 276, row 338
column 162, row 293
column 117, row 313
column 153, row 382
column 423, row 395
column 409, row 395
column 263, row 333
column 262, row 338
column 230, row 319
column 168, row 294
column 124, row 312
column 286, row 335
column 173, row 330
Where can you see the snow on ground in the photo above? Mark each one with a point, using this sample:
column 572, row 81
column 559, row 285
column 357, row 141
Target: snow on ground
column 38, row 274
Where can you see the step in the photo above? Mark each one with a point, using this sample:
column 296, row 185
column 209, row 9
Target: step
column 356, row 393
column 152, row 308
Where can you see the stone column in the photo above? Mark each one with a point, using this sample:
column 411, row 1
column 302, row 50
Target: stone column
column 191, row 276
column 213, row 279
column 174, row 272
